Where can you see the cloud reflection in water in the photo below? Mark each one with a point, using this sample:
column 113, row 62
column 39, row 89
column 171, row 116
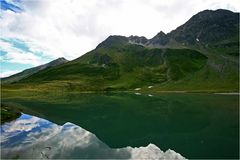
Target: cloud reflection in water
column 33, row 137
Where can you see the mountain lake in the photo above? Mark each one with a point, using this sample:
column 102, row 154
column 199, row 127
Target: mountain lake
column 120, row 125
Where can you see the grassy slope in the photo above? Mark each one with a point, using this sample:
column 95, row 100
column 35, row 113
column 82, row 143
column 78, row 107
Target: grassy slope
column 221, row 72
column 126, row 67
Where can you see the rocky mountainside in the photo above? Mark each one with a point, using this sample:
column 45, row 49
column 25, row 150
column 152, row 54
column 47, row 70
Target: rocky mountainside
column 219, row 28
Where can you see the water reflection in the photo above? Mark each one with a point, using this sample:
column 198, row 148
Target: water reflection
column 33, row 137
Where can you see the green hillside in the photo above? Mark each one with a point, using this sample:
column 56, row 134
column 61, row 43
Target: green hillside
column 201, row 55
column 128, row 66
column 125, row 67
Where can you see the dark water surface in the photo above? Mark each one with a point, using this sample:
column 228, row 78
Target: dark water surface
column 30, row 137
column 194, row 125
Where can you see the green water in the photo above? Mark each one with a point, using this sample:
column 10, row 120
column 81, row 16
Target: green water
column 194, row 125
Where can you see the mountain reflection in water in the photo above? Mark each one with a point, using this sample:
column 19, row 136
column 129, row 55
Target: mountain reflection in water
column 33, row 137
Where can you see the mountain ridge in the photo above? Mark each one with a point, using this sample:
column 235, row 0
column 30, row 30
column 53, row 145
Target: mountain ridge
column 183, row 35
column 167, row 61
column 27, row 72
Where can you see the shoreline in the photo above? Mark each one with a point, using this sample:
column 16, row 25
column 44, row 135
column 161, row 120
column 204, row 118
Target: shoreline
column 228, row 93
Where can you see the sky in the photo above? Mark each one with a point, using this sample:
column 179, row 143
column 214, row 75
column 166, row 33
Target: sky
column 34, row 32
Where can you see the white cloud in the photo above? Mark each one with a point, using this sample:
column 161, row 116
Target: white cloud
column 7, row 47
column 22, row 58
column 70, row 28
column 16, row 55
column 8, row 73
column 22, row 125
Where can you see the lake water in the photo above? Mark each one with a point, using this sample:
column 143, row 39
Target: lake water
column 124, row 126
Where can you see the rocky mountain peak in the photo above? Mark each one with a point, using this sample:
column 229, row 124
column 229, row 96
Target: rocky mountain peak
column 112, row 41
column 137, row 40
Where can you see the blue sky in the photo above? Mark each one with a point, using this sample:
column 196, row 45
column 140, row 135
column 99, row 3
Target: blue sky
column 10, row 6
column 16, row 56
column 34, row 32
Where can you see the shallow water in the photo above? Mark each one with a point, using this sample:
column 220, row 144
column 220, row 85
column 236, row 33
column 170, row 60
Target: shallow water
column 194, row 125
